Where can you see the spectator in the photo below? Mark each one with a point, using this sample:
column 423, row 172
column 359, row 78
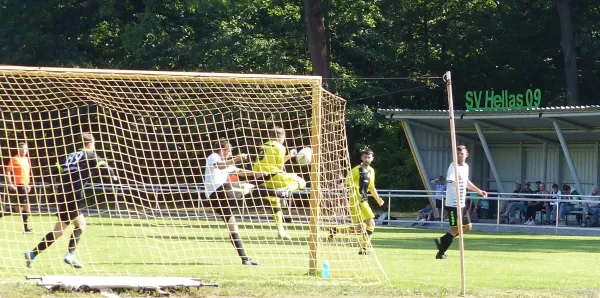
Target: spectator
column 520, row 206
column 566, row 207
column 551, row 207
column 473, row 207
column 504, row 203
column 538, row 186
column 533, row 207
column 440, row 190
column 484, row 208
column 424, row 214
column 591, row 207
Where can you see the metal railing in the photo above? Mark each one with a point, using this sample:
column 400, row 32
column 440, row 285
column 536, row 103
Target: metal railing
column 557, row 202
column 390, row 195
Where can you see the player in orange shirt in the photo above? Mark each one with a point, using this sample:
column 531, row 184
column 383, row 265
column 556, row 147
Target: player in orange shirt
column 18, row 179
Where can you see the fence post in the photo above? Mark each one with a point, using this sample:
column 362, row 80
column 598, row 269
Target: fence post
column 498, row 210
column 389, row 218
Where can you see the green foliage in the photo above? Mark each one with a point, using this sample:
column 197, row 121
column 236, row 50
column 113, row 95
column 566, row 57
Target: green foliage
column 486, row 44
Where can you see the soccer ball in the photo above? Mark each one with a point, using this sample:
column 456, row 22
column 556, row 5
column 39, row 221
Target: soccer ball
column 304, row 156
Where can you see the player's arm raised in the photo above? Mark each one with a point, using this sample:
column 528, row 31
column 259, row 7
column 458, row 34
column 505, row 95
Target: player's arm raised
column 472, row 187
column 249, row 173
column 231, row 161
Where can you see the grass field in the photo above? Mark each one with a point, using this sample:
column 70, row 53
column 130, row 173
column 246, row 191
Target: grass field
column 497, row 265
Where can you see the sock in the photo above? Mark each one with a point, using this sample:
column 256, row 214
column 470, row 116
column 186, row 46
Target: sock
column 446, row 242
column 366, row 237
column 239, row 245
column 278, row 217
column 74, row 239
column 45, row 243
column 25, row 217
column 277, row 213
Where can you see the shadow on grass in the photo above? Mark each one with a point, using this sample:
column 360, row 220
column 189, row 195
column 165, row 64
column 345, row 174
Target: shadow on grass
column 219, row 225
column 250, row 239
column 157, row 225
column 157, row 264
column 409, row 239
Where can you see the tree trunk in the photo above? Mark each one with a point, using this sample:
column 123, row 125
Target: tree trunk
column 567, row 45
column 317, row 40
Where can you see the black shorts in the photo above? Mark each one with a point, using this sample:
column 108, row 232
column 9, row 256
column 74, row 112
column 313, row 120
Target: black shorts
column 68, row 208
column 438, row 203
column 453, row 216
column 223, row 200
column 21, row 193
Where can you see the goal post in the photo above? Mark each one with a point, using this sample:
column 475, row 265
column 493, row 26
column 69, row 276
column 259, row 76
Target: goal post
column 315, row 178
column 156, row 130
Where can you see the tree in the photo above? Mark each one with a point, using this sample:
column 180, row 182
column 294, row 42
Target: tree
column 567, row 45
column 317, row 39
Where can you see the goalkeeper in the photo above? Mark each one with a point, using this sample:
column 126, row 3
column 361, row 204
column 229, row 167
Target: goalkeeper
column 360, row 180
column 73, row 174
column 271, row 160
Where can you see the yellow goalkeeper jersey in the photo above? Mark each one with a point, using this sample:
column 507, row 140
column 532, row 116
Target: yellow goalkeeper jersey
column 271, row 157
column 361, row 180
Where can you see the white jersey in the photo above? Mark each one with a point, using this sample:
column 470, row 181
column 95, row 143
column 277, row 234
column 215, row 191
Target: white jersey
column 440, row 190
column 463, row 178
column 213, row 176
column 557, row 196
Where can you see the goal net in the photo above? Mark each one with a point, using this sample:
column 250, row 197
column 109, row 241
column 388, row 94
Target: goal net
column 156, row 130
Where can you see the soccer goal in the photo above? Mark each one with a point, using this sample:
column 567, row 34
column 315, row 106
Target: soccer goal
column 156, row 129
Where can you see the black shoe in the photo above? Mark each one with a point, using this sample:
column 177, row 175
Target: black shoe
column 363, row 252
column 416, row 223
column 441, row 256
column 28, row 231
column 438, row 243
column 249, row 262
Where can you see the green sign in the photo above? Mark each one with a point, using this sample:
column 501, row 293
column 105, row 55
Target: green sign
column 490, row 100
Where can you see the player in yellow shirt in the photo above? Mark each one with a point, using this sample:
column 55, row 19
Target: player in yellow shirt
column 360, row 180
column 272, row 157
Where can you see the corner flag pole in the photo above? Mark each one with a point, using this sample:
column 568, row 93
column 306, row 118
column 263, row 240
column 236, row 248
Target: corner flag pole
column 448, row 78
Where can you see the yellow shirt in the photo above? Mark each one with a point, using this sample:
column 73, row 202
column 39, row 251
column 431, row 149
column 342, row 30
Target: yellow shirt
column 361, row 180
column 271, row 158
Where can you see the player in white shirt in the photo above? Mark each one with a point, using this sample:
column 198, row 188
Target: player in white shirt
column 464, row 183
column 221, row 195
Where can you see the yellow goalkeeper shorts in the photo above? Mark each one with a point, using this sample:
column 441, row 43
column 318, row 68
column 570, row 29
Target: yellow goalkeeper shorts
column 360, row 210
column 285, row 180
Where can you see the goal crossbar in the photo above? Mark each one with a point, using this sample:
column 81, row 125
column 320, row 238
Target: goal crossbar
column 149, row 75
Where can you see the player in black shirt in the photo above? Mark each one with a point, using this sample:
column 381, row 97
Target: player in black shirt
column 76, row 170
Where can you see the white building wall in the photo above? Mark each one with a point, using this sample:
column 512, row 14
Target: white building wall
column 512, row 165
column 436, row 154
column 585, row 160
column 507, row 159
